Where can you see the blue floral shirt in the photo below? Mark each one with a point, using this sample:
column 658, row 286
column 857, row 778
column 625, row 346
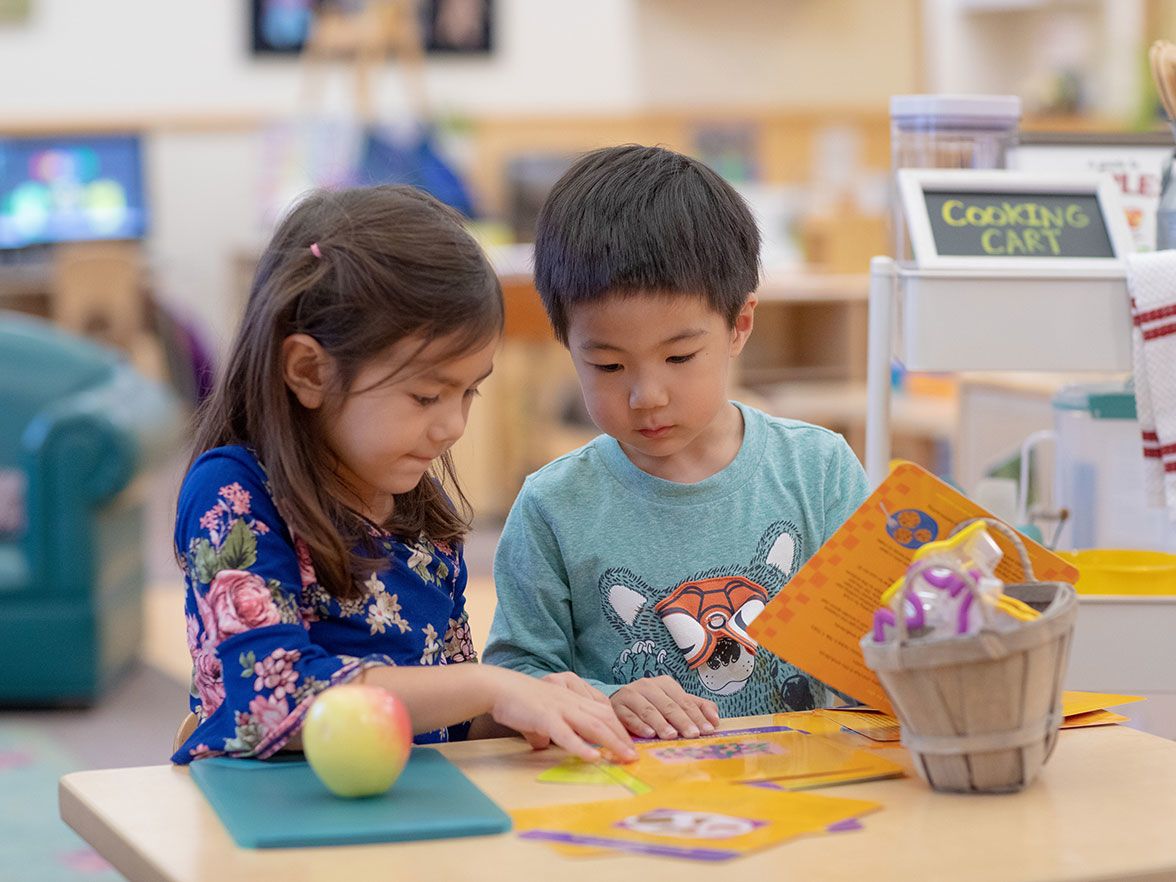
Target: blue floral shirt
column 266, row 638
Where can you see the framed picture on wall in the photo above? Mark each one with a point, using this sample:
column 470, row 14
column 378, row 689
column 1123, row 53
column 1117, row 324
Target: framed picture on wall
column 280, row 27
column 452, row 27
column 1134, row 160
column 457, row 26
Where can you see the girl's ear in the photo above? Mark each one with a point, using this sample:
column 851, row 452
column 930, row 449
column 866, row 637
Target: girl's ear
column 743, row 322
column 306, row 368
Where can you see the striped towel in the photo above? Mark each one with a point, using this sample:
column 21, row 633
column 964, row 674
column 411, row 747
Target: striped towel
column 1151, row 279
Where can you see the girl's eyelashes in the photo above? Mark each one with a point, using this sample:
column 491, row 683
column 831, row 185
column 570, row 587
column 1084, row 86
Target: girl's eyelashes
column 430, row 400
column 607, row 368
column 681, row 359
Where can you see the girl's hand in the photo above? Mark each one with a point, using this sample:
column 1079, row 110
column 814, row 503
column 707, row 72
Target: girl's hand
column 577, row 684
column 659, row 706
column 546, row 712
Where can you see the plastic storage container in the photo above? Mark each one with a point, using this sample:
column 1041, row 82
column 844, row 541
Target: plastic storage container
column 948, row 131
column 1129, row 571
column 1099, row 473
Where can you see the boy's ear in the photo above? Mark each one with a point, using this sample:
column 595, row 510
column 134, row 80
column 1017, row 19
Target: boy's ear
column 743, row 323
column 306, row 368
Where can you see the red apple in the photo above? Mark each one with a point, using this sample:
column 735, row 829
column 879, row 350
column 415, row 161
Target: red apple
column 357, row 739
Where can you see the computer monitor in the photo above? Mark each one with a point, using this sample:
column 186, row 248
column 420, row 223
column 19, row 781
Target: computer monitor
column 71, row 188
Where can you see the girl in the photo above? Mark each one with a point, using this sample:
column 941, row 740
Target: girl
column 317, row 543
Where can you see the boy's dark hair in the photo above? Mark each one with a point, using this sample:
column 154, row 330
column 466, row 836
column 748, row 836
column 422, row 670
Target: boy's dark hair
column 357, row 270
column 634, row 219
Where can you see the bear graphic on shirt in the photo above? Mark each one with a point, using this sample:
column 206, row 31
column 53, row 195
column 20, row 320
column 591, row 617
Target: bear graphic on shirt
column 696, row 631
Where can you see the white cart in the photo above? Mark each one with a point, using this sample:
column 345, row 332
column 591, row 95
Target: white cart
column 1056, row 303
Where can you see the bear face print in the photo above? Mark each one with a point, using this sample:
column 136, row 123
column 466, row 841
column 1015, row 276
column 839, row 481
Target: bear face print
column 696, row 630
column 708, row 620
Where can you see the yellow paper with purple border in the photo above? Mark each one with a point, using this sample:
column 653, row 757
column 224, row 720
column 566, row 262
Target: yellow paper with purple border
column 706, row 823
column 790, row 758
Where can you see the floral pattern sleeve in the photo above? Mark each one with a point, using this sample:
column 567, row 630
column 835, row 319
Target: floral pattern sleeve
column 255, row 668
column 459, row 643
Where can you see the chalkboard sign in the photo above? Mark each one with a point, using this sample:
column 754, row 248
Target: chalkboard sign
column 1017, row 225
column 1012, row 220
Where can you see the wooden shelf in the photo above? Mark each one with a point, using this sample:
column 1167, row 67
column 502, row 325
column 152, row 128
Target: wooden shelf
column 809, row 286
column 844, row 404
column 145, row 121
column 922, row 427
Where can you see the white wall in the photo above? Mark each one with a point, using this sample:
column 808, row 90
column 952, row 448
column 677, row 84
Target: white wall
column 798, row 53
column 103, row 57
column 172, row 62
column 185, row 69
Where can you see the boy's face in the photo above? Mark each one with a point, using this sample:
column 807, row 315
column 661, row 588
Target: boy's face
column 654, row 370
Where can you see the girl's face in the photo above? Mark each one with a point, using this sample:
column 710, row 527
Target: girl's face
column 387, row 432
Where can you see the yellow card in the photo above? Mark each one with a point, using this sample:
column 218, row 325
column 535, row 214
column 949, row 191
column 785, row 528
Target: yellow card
column 819, row 617
column 1080, row 710
column 574, row 770
column 875, row 726
column 1083, row 702
column 708, row 823
column 620, row 775
column 812, row 722
column 1093, row 718
column 790, row 759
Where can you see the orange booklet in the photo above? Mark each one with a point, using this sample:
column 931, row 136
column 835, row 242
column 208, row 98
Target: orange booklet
column 818, row 619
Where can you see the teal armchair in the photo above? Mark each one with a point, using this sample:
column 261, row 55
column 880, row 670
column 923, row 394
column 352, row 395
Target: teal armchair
column 78, row 431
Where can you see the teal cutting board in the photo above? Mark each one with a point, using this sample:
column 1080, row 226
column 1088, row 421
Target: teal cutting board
column 279, row 803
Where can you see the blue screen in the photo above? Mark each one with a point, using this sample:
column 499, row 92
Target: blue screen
column 71, row 189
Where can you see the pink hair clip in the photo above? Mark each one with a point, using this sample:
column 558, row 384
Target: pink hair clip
column 315, row 250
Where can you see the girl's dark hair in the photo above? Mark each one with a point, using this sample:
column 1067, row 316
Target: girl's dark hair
column 395, row 263
column 644, row 220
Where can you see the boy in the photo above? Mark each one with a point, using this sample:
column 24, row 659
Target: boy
column 638, row 560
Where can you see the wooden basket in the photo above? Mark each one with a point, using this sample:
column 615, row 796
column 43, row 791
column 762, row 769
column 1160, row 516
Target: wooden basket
column 980, row 713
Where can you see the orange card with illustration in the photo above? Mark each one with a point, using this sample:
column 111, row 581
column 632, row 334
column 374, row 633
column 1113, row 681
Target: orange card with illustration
column 818, row 618
column 708, row 822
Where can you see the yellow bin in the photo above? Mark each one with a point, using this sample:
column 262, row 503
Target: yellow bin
column 1123, row 571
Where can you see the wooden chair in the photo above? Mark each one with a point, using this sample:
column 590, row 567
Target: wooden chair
column 98, row 291
column 187, row 727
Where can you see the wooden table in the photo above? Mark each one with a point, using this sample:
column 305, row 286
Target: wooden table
column 1104, row 808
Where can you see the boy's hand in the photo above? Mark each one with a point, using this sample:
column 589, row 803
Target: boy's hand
column 547, row 712
column 659, row 706
column 577, row 684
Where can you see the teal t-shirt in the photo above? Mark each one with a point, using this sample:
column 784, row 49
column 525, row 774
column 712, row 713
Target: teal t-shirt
column 610, row 572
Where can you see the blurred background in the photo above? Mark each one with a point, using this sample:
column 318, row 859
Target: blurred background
column 147, row 147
